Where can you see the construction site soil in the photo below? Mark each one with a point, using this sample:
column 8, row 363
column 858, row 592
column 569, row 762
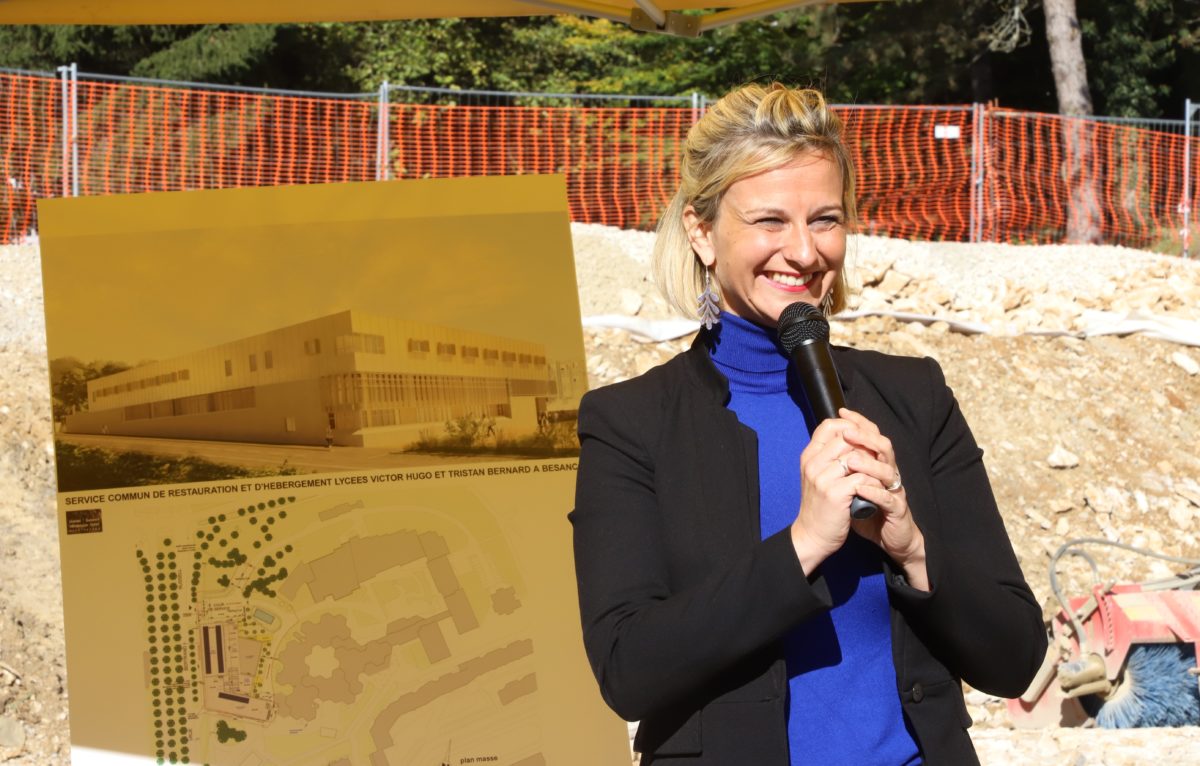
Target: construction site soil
column 1089, row 430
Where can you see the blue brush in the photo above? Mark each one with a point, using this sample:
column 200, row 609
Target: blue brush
column 1156, row 690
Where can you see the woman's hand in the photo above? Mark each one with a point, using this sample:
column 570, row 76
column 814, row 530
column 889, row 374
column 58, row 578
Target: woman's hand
column 873, row 463
column 848, row 456
column 827, row 485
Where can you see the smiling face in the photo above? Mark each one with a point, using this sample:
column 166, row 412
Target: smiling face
column 778, row 237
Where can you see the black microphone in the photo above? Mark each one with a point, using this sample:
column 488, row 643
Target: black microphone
column 804, row 334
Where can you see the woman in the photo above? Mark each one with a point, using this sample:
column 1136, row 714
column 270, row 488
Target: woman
column 729, row 602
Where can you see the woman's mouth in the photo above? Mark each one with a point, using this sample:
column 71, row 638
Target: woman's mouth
column 793, row 283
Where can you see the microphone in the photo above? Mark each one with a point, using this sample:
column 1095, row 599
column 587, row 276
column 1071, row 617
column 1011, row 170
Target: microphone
column 804, row 334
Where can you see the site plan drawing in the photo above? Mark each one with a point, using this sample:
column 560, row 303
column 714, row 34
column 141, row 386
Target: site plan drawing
column 313, row 507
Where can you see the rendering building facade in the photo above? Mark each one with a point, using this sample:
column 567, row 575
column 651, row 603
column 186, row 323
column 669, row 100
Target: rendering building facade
column 358, row 378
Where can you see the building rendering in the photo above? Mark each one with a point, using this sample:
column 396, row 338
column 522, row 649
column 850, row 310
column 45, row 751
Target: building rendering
column 360, row 379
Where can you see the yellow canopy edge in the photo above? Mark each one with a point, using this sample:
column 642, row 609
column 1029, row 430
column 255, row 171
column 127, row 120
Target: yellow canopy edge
column 661, row 15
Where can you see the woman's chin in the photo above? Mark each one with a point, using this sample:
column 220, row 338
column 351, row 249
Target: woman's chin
column 780, row 304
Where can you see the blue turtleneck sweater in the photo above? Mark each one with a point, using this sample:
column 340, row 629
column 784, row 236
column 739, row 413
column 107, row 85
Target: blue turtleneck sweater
column 843, row 705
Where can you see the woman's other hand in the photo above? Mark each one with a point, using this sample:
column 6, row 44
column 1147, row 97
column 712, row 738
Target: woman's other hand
column 873, row 462
column 827, row 485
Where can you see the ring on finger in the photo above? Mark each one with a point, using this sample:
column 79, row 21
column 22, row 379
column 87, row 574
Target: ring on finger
column 845, row 468
column 896, row 484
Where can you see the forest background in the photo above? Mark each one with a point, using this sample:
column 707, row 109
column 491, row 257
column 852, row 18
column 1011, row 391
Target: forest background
column 1142, row 56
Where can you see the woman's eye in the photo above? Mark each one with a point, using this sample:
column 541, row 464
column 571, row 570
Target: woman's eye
column 769, row 221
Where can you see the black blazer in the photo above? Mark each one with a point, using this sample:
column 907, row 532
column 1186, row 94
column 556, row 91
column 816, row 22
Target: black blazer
column 683, row 604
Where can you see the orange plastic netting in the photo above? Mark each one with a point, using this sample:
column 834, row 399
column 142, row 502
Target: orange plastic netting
column 953, row 173
column 1047, row 175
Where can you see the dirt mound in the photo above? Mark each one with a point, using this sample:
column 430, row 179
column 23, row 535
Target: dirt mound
column 33, row 702
column 1085, row 435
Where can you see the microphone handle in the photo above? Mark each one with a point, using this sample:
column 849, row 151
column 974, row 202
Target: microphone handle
column 814, row 363
column 861, row 509
column 819, row 377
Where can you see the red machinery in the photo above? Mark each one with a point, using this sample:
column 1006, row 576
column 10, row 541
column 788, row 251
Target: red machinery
column 1124, row 654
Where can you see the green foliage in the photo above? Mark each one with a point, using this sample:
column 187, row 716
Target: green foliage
column 82, row 468
column 263, row 583
column 217, row 53
column 550, row 440
column 1143, row 56
column 107, row 49
column 68, row 393
column 569, row 54
column 68, row 383
column 1127, row 45
column 436, row 52
column 912, row 51
column 233, row 558
column 467, row 430
column 305, row 56
column 226, row 733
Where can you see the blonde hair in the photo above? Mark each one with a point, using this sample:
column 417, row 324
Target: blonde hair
column 751, row 130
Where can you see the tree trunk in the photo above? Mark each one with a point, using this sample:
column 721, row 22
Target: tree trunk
column 1074, row 103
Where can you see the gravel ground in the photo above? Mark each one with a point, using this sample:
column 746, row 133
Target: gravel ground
column 1125, row 407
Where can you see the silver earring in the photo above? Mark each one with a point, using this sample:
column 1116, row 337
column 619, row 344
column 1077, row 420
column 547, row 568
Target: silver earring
column 707, row 303
column 827, row 305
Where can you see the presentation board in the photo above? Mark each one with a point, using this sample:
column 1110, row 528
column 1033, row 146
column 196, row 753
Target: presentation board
column 315, row 450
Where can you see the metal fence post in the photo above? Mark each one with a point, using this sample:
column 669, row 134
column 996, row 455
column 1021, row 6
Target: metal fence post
column 64, row 122
column 74, row 130
column 68, row 103
column 382, row 139
column 979, row 117
column 1185, row 205
column 974, row 188
column 62, row 133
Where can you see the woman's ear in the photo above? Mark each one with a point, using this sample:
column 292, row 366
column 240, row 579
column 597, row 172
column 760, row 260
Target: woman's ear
column 699, row 235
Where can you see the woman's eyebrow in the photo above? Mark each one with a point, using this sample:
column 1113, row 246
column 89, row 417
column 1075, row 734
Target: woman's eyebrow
column 835, row 208
column 781, row 213
column 774, row 211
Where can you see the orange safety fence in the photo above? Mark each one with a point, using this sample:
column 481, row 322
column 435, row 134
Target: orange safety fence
column 962, row 173
column 135, row 138
column 619, row 163
column 913, row 170
column 30, row 150
column 1049, row 177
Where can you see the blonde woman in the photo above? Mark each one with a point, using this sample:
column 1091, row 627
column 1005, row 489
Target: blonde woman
column 729, row 602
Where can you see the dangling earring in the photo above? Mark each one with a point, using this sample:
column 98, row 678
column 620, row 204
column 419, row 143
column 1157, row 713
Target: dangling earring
column 827, row 304
column 707, row 303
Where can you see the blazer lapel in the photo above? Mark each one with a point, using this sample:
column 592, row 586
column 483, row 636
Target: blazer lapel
column 728, row 459
column 859, row 397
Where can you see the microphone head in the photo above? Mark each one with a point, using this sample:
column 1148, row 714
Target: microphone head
column 801, row 322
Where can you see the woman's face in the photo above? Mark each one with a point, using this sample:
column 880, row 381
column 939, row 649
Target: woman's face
column 778, row 237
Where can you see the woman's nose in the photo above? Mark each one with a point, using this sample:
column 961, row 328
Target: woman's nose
column 800, row 248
